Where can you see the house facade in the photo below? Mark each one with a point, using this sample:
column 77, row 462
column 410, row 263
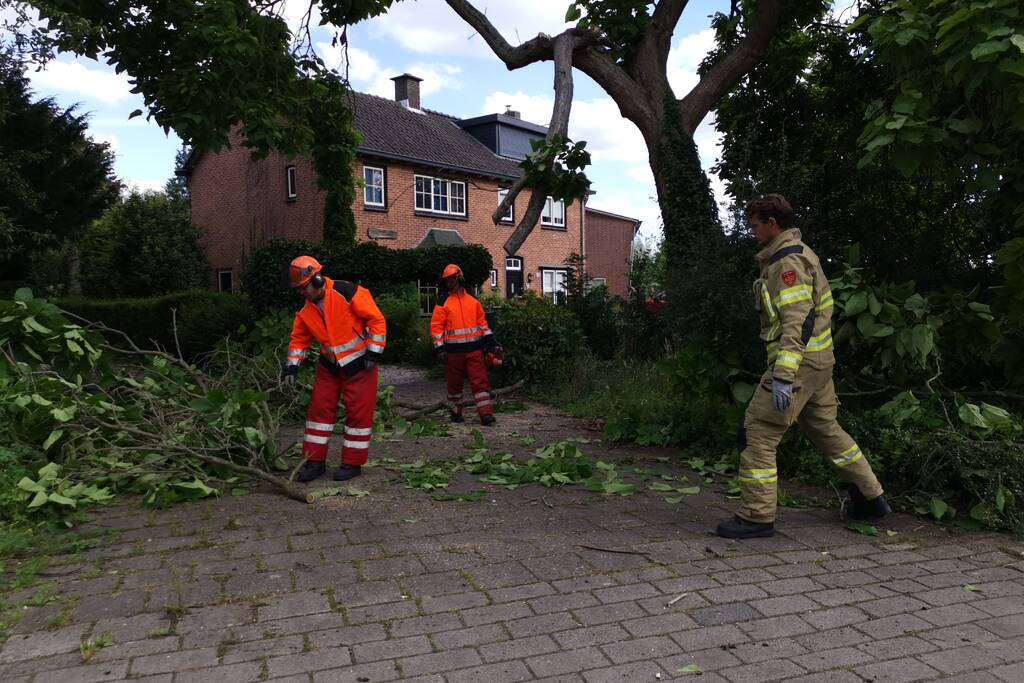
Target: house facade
column 428, row 178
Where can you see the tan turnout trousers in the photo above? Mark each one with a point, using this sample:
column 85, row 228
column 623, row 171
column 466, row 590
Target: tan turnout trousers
column 794, row 303
column 814, row 409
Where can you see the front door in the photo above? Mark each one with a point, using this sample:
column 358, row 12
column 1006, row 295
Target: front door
column 513, row 276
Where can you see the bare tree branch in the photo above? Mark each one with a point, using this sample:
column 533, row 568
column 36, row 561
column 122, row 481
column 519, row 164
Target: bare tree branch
column 536, row 49
column 725, row 74
column 663, row 23
column 565, row 44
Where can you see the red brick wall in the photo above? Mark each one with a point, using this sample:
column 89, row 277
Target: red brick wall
column 238, row 203
column 609, row 241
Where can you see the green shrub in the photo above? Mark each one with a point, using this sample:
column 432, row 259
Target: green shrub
column 146, row 245
column 540, row 339
column 408, row 338
column 203, row 318
column 367, row 263
column 597, row 314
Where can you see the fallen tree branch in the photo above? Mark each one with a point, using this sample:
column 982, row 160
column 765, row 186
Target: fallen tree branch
column 420, row 411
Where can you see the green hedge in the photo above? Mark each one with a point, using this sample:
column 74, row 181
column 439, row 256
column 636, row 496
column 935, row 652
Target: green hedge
column 540, row 339
column 367, row 263
column 203, row 318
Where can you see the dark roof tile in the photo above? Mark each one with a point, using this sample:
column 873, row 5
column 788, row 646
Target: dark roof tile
column 392, row 131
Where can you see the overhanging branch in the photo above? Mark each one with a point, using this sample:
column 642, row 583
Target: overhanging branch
column 726, row 73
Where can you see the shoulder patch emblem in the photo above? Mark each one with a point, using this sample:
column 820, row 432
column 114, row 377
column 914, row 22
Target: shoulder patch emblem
column 789, row 277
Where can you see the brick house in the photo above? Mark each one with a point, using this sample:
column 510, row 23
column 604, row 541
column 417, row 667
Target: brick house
column 429, row 178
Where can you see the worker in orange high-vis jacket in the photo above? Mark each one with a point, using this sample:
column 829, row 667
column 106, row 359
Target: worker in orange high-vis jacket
column 460, row 335
column 351, row 331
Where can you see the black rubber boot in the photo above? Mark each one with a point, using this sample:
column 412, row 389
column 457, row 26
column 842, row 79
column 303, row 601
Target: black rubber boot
column 346, row 472
column 487, row 420
column 456, row 417
column 310, row 470
column 741, row 528
column 862, row 508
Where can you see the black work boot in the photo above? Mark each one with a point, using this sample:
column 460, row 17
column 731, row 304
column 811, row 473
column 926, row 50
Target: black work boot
column 487, row 420
column 862, row 508
column 456, row 417
column 310, row 470
column 738, row 527
column 346, row 472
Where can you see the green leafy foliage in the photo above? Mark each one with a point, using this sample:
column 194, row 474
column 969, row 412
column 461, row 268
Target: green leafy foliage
column 555, row 168
column 203, row 318
column 145, row 245
column 367, row 263
column 539, row 338
column 54, row 179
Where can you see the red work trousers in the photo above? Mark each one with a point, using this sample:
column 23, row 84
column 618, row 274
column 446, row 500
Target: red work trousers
column 456, row 367
column 359, row 393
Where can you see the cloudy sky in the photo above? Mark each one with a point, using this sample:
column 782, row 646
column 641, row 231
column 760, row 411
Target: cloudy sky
column 461, row 77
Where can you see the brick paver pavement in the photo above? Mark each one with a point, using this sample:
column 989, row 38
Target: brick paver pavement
column 528, row 585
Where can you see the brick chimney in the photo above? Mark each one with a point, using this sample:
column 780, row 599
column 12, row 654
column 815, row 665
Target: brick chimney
column 407, row 90
column 512, row 112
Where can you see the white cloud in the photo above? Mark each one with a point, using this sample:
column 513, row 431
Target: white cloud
column 641, row 174
column 294, row 13
column 684, row 58
column 431, row 27
column 144, row 186
column 367, row 75
column 108, row 138
column 96, row 83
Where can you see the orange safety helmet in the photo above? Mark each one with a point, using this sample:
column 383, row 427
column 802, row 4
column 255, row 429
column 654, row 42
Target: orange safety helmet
column 451, row 270
column 302, row 270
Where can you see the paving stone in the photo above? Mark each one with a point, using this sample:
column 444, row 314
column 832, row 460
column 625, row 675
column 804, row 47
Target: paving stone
column 175, row 661
column 492, row 673
column 664, row 623
column 622, row 611
column 961, row 659
column 837, row 617
column 452, row 602
column 590, row 635
column 391, row 649
column 832, row 659
column 494, row 613
column 724, row 614
column 645, row 671
column 124, row 604
column 569, row 661
column 896, row 671
column 439, row 661
column 383, row 612
column 789, row 604
column 704, row 638
column 764, row 650
column 308, row 662
column 524, row 592
column 1009, row 626
column 899, row 604
column 214, row 618
column 427, row 624
column 91, row 673
column 231, row 673
column 563, row 602
column 727, row 594
column 894, row 626
column 360, row 673
column 232, row 652
column 896, row 647
column 640, row 648
column 1013, row 673
column 544, row 623
column 801, row 585
column 292, row 605
column 469, row 637
column 776, row 627
column 763, row 671
column 42, row 644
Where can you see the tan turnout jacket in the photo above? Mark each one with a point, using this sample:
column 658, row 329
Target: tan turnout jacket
column 794, row 302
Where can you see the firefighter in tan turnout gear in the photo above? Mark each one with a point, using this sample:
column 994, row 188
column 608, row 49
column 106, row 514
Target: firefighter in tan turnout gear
column 794, row 302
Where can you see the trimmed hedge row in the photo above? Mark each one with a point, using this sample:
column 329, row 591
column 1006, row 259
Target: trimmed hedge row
column 367, row 263
column 203, row 318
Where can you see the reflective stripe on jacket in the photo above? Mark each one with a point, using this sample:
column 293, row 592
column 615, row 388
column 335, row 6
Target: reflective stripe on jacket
column 458, row 324
column 794, row 301
column 350, row 330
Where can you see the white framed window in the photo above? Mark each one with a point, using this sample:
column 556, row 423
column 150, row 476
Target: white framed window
column 554, row 213
column 224, row 280
column 428, row 296
column 552, row 282
column 513, row 263
column 291, row 182
column 438, row 195
column 510, row 215
column 597, row 282
column 494, row 279
column 373, row 188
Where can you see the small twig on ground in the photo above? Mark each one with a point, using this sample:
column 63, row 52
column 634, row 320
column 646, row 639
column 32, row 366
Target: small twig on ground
column 420, row 411
column 612, row 550
column 676, row 599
